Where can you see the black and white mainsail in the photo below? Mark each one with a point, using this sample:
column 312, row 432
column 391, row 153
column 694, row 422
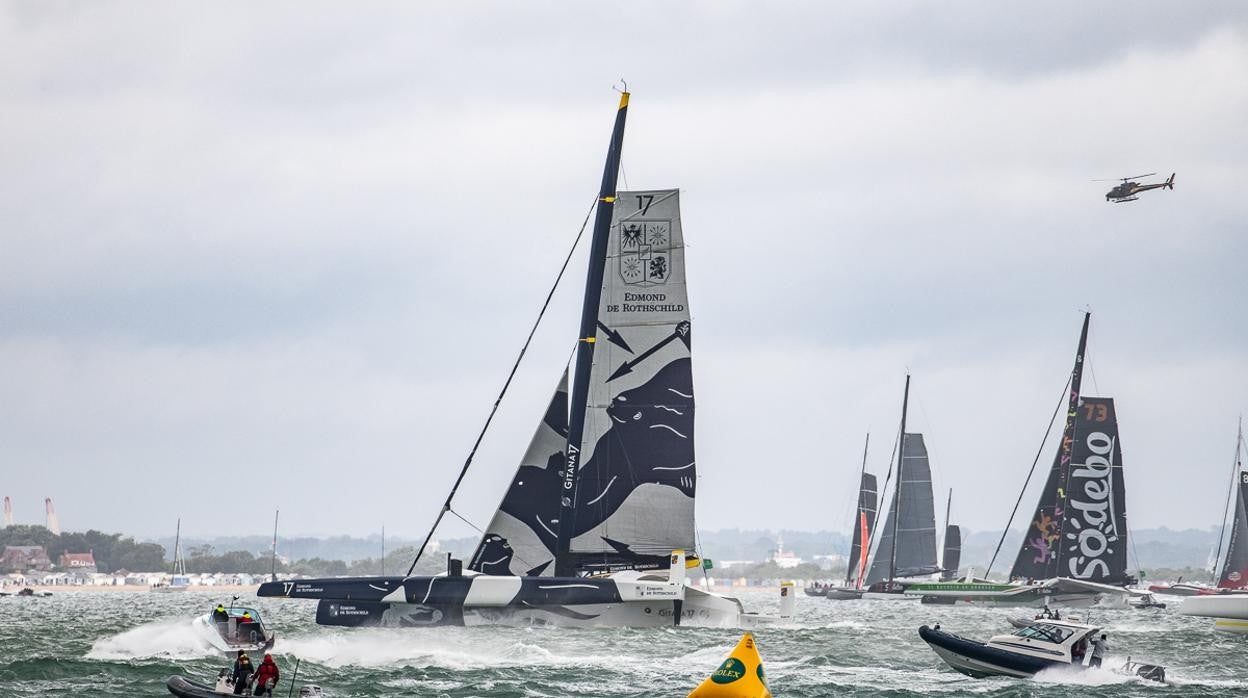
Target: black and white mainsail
column 634, row 488
column 520, row 539
column 912, row 516
column 864, row 530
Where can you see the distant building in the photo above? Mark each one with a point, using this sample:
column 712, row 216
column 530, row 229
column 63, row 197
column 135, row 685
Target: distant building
column 784, row 559
column 25, row 558
column 83, row 563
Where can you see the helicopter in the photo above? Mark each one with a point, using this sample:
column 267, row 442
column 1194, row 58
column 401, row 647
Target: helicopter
column 1128, row 190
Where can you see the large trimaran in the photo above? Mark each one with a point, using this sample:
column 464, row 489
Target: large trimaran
column 593, row 529
column 1075, row 548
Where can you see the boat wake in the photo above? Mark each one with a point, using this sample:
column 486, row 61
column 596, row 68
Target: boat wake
column 172, row 638
column 1108, row 675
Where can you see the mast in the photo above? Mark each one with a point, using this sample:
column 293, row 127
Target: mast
column 585, row 340
column 383, row 550
column 901, row 450
column 177, row 546
column 273, row 557
column 857, row 526
column 948, row 507
column 1062, row 460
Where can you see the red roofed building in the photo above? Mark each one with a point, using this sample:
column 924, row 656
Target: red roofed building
column 78, row 562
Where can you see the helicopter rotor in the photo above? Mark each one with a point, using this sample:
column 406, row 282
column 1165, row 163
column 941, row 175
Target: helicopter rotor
column 1124, row 179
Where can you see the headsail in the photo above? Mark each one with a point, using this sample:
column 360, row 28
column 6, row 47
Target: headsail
column 520, row 539
column 953, row 553
column 635, row 486
column 1037, row 558
column 916, row 525
column 864, row 525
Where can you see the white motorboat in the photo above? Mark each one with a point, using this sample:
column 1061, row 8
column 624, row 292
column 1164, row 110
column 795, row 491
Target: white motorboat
column 1044, row 644
column 233, row 628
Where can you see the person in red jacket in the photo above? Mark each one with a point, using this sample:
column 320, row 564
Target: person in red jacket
column 266, row 677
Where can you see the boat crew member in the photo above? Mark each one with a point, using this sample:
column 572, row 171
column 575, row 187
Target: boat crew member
column 246, row 618
column 1099, row 648
column 219, row 614
column 242, row 672
column 266, row 677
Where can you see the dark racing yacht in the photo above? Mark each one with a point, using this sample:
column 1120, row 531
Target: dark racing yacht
column 1044, row 644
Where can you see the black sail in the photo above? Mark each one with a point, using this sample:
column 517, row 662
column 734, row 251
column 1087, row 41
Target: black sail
column 916, row 527
column 864, row 518
column 1235, row 566
column 953, row 553
column 1037, row 557
column 520, row 539
column 1093, row 529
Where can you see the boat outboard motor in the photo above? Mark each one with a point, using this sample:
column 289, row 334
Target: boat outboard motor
column 310, row 691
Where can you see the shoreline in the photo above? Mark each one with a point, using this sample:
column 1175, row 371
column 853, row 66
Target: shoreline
column 126, row 588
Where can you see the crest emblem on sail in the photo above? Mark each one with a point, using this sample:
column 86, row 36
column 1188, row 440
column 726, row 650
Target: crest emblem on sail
column 520, row 539
column 636, row 479
column 916, row 527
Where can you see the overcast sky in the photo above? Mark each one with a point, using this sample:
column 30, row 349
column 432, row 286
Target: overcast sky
column 284, row 254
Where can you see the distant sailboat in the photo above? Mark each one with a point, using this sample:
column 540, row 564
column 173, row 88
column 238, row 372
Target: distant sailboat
column 907, row 540
column 951, row 557
column 1075, row 548
column 594, row 528
column 179, row 580
column 863, row 526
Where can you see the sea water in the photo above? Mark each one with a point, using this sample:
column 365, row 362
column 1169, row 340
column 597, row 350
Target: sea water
column 99, row 644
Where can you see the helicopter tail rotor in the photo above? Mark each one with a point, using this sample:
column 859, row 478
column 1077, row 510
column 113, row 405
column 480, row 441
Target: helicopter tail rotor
column 1170, row 182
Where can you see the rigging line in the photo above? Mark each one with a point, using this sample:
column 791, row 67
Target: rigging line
column 506, row 384
column 879, row 505
column 1065, row 398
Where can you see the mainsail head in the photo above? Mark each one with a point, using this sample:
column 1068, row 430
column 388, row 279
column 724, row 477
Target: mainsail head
column 916, row 527
column 635, row 483
column 864, row 527
column 520, row 539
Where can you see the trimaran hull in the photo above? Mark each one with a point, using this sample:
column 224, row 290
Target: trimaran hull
column 623, row 600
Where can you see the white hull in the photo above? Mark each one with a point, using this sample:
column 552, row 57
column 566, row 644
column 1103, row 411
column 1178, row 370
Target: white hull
column 885, row 596
column 206, row 628
column 1229, row 606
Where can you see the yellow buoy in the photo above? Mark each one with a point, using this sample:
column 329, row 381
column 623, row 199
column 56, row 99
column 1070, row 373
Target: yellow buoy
column 740, row 676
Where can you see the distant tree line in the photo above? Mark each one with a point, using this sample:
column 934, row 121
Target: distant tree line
column 112, row 551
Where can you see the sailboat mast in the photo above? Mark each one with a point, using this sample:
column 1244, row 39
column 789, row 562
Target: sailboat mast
column 948, row 508
column 1061, row 462
column 901, row 455
column 586, row 338
column 273, row 556
column 857, row 525
column 177, row 546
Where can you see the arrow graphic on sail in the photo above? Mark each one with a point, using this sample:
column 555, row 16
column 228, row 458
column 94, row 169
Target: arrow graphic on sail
column 681, row 332
column 615, row 337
